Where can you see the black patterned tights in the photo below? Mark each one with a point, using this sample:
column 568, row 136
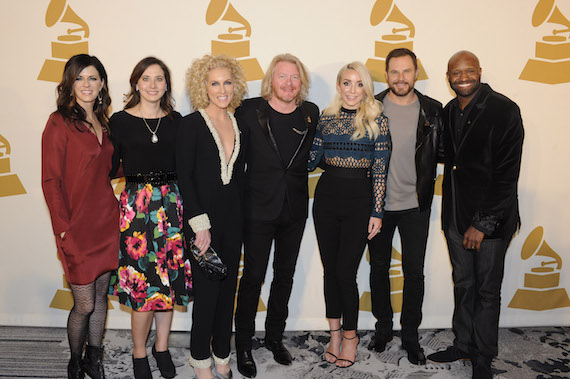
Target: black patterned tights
column 88, row 315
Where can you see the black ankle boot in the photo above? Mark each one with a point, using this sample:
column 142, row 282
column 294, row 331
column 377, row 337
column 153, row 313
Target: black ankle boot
column 93, row 362
column 74, row 369
column 164, row 363
column 141, row 368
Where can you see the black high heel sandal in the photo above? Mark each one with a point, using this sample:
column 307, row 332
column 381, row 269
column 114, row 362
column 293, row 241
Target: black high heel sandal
column 348, row 360
column 328, row 352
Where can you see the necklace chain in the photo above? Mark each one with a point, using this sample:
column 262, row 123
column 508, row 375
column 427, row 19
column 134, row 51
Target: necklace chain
column 154, row 138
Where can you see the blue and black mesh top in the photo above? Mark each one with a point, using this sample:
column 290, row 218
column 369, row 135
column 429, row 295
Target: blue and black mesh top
column 333, row 143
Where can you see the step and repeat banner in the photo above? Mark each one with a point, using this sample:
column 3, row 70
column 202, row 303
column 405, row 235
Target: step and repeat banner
column 524, row 49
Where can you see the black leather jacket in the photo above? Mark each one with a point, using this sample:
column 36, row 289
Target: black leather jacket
column 428, row 149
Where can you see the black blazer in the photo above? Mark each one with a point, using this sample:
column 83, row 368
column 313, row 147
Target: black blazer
column 428, row 136
column 269, row 180
column 482, row 168
column 199, row 170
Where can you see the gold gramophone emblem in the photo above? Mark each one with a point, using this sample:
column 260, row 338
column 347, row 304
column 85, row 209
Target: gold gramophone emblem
column 385, row 11
column 118, row 185
column 63, row 298
column 541, row 286
column 396, row 275
column 552, row 63
column 232, row 43
column 9, row 183
column 68, row 44
column 313, row 180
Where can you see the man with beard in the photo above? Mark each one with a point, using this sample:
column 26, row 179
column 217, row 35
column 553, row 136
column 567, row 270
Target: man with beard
column 281, row 127
column 415, row 126
column 483, row 139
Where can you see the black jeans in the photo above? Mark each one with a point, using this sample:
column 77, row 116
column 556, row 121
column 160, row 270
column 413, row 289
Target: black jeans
column 477, row 279
column 259, row 236
column 341, row 213
column 413, row 226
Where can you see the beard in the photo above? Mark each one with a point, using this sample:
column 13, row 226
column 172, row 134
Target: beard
column 400, row 91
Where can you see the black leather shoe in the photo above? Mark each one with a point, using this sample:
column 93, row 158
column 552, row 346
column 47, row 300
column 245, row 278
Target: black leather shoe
column 451, row 354
column 75, row 369
column 482, row 368
column 280, row 352
column 164, row 363
column 246, row 364
column 378, row 342
column 93, row 362
column 416, row 354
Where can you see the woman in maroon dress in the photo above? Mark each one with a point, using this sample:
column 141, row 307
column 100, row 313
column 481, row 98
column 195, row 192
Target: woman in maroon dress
column 76, row 162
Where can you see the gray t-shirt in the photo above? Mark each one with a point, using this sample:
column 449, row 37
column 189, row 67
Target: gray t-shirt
column 401, row 183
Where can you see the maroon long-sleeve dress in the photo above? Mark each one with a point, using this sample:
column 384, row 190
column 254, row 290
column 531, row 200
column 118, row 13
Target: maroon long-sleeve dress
column 81, row 201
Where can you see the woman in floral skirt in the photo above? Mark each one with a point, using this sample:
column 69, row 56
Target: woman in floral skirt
column 153, row 273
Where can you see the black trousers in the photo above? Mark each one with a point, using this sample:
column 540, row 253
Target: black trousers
column 341, row 213
column 413, row 226
column 213, row 305
column 477, row 279
column 287, row 233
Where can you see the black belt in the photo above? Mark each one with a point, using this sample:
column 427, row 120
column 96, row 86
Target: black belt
column 154, row 178
column 348, row 173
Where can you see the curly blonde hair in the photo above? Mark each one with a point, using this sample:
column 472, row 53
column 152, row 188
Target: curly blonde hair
column 197, row 75
column 369, row 108
column 267, row 82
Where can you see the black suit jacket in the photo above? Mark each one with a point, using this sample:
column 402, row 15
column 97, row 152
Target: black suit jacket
column 482, row 167
column 428, row 136
column 199, row 170
column 269, row 180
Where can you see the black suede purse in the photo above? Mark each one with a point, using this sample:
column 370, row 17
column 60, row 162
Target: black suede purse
column 209, row 262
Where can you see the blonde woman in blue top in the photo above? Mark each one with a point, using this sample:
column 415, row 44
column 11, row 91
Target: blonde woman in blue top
column 352, row 143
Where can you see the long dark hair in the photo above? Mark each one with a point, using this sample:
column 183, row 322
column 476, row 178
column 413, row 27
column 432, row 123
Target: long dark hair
column 134, row 97
column 67, row 105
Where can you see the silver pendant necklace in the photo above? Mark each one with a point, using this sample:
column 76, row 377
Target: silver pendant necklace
column 154, row 138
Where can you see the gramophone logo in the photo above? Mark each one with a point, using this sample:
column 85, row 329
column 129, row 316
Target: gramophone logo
column 401, row 35
column 9, row 183
column 72, row 42
column 235, row 43
column 542, row 289
column 118, row 185
column 63, row 298
column 551, row 64
column 313, row 180
column 396, row 284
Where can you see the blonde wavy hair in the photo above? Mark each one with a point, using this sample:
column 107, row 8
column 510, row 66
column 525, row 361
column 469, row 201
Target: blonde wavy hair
column 369, row 108
column 266, row 83
column 197, row 76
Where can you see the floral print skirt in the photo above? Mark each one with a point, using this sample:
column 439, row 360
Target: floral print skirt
column 153, row 273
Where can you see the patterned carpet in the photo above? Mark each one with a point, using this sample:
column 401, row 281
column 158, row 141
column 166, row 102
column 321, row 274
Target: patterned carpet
column 524, row 353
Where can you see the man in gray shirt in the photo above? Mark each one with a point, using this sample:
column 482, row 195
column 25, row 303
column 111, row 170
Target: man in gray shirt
column 415, row 125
